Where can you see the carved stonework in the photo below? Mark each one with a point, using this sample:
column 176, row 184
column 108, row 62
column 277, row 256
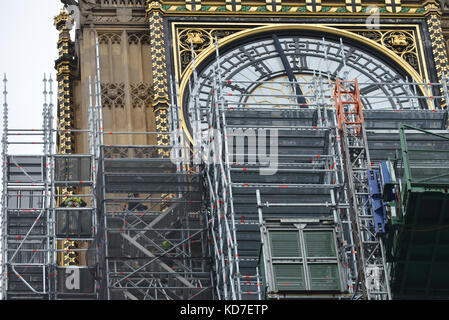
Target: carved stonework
column 113, row 95
column 111, row 38
column 145, row 153
column 141, row 94
column 116, row 152
column 129, row 152
column 139, row 38
column 122, row 3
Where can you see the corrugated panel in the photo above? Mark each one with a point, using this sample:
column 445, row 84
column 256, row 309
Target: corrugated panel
column 284, row 244
column 289, row 277
column 324, row 277
column 319, row 244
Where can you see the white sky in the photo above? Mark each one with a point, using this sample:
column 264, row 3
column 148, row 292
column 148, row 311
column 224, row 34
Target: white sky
column 28, row 50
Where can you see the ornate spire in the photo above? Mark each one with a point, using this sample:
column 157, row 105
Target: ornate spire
column 63, row 20
column 65, row 65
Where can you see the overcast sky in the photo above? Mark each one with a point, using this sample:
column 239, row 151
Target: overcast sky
column 28, row 50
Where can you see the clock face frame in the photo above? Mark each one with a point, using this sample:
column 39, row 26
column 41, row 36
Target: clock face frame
column 267, row 70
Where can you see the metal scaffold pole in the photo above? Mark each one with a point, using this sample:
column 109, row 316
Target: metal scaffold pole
column 51, row 192
column 4, row 271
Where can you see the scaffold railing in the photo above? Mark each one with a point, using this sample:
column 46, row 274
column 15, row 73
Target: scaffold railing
column 226, row 115
column 152, row 233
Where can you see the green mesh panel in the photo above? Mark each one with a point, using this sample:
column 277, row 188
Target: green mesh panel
column 324, row 277
column 284, row 244
column 319, row 244
column 289, row 277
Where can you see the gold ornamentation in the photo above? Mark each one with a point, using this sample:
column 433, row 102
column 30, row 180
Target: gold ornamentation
column 152, row 5
column 160, row 82
column 274, row 5
column 65, row 67
column 393, row 6
column 401, row 42
column 438, row 48
column 63, row 19
column 162, row 125
column 353, row 5
column 195, row 38
column 313, row 5
column 233, row 5
column 203, row 38
column 193, row 5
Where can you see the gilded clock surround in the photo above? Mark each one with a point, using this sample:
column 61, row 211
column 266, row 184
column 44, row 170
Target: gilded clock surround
column 321, row 28
column 404, row 41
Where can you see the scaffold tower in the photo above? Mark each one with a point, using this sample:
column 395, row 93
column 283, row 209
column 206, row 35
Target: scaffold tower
column 276, row 196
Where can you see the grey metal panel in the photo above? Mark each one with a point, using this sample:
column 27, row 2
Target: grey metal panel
column 25, row 199
column 73, row 223
column 19, row 223
column 75, row 280
column 304, row 117
column 73, row 168
column 139, row 166
column 32, row 275
column 390, row 119
column 26, row 169
column 385, row 145
column 116, row 183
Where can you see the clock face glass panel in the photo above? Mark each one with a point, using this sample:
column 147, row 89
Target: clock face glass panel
column 255, row 75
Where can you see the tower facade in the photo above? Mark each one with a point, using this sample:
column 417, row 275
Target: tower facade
column 266, row 149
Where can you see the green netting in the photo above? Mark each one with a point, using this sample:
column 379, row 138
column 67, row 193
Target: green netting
column 426, row 156
column 319, row 244
column 289, row 277
column 285, row 244
column 324, row 277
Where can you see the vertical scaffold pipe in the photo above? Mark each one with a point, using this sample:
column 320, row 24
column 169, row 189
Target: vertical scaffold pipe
column 4, row 282
column 99, row 105
column 52, row 191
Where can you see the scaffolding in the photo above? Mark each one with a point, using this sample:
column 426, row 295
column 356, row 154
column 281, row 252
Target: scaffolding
column 357, row 163
column 308, row 168
column 27, row 240
column 211, row 220
column 46, row 251
column 152, row 235
column 320, row 182
column 140, row 233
